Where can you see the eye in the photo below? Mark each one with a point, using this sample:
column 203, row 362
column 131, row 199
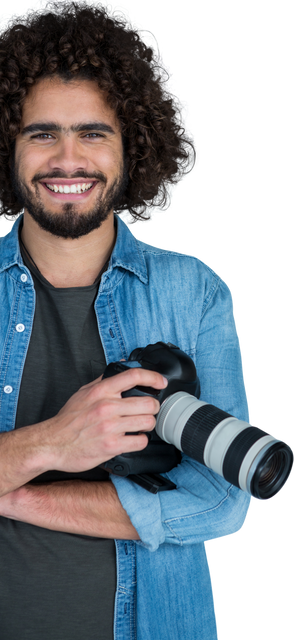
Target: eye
column 41, row 134
column 95, row 134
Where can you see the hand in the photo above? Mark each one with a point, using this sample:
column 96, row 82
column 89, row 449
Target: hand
column 91, row 427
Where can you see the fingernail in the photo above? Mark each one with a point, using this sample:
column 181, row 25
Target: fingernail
column 165, row 380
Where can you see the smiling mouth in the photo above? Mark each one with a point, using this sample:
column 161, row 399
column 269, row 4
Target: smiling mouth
column 70, row 196
column 70, row 188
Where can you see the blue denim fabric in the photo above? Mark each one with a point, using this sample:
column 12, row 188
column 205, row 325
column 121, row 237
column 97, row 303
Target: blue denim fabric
column 146, row 295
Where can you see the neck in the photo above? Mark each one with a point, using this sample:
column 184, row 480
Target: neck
column 73, row 278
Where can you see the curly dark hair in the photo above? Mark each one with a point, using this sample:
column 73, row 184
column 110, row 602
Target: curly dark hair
column 75, row 40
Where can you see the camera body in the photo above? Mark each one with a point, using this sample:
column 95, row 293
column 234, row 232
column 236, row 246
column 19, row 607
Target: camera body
column 180, row 371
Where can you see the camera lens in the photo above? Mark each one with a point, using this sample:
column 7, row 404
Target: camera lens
column 244, row 455
column 272, row 471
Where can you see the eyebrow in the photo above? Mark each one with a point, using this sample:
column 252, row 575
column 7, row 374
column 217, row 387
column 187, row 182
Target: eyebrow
column 47, row 127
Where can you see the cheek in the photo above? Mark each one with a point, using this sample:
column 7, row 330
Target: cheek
column 108, row 160
column 28, row 162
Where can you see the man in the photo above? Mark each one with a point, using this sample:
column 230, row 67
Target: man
column 87, row 129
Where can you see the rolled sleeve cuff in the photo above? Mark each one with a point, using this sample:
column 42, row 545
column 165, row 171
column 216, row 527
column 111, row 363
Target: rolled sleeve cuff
column 144, row 511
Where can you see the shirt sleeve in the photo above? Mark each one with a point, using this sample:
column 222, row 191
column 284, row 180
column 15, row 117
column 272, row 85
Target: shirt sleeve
column 204, row 505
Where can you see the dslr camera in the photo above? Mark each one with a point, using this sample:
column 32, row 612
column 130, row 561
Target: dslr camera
column 245, row 456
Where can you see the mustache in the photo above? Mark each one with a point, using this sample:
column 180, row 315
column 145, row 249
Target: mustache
column 98, row 175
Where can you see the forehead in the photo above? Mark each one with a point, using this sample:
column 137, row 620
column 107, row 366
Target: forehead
column 67, row 102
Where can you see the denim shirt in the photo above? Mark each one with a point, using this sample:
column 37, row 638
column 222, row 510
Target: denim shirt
column 147, row 295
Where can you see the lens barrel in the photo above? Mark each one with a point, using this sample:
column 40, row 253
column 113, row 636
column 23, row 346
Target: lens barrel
column 244, row 455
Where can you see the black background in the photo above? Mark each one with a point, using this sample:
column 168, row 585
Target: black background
column 233, row 214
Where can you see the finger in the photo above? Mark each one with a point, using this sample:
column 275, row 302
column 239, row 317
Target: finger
column 110, row 408
column 133, row 377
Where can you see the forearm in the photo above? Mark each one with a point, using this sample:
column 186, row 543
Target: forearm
column 24, row 454
column 72, row 506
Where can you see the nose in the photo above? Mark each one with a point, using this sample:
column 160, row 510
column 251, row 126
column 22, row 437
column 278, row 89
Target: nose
column 67, row 156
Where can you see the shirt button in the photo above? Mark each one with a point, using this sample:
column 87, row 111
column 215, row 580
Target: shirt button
column 8, row 389
column 23, row 277
column 20, row 327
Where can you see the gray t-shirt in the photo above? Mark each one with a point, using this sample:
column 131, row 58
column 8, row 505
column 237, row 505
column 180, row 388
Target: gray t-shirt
column 54, row 584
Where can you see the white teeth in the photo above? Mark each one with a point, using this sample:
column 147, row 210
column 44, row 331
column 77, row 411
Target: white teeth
column 70, row 188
